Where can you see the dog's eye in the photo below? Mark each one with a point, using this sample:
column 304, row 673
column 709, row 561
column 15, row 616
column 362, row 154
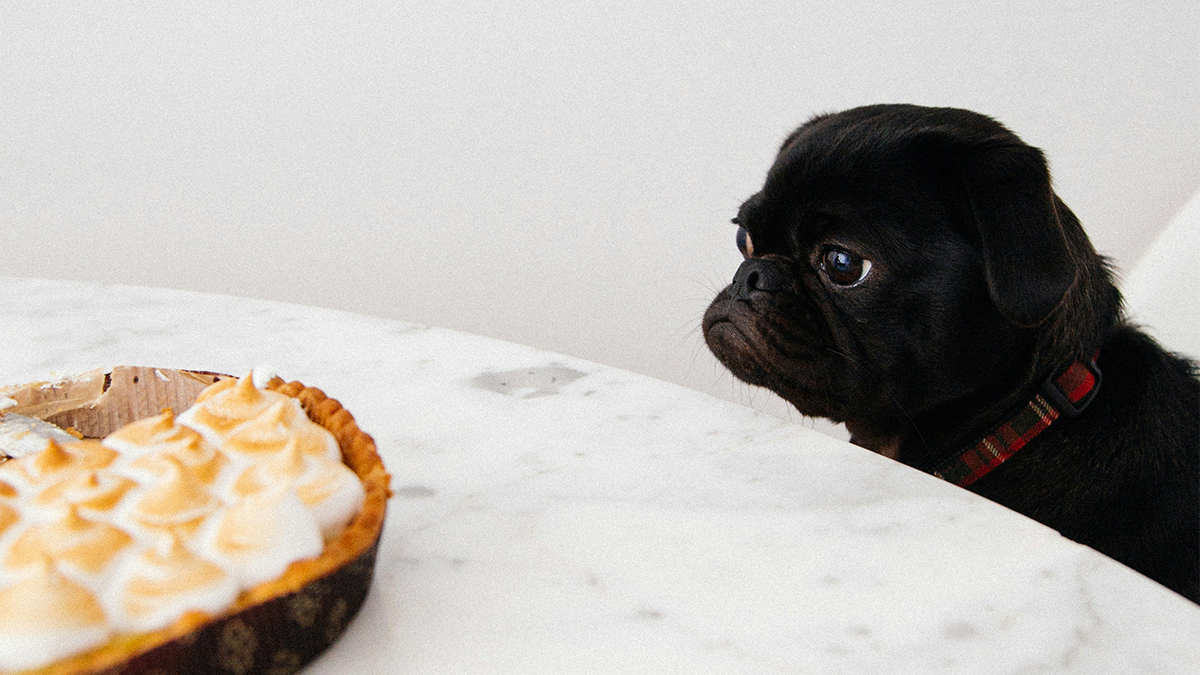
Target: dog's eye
column 844, row 268
column 743, row 243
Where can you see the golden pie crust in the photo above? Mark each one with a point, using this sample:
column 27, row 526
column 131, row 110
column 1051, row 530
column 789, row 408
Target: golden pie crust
column 274, row 628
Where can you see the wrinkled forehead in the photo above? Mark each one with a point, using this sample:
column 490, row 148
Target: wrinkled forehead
column 836, row 157
column 855, row 183
column 839, row 178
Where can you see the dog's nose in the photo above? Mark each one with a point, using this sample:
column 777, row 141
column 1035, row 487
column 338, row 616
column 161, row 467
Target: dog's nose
column 755, row 274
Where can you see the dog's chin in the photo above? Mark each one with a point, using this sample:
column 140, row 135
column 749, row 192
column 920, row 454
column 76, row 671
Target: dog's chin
column 746, row 344
column 805, row 378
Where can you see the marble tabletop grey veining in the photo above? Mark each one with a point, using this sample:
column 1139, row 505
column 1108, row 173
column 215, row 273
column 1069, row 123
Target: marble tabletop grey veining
column 555, row 515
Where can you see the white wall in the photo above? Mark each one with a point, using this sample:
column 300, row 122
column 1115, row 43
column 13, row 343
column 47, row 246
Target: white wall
column 555, row 173
column 1162, row 293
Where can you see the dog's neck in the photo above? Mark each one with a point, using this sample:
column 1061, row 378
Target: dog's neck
column 933, row 439
column 930, row 439
column 927, row 439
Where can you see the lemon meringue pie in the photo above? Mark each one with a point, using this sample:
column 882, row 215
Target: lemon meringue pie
column 183, row 543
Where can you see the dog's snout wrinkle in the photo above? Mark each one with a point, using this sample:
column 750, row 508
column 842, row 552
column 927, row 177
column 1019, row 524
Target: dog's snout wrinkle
column 755, row 275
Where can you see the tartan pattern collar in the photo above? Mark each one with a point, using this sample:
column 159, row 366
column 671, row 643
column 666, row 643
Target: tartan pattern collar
column 1066, row 393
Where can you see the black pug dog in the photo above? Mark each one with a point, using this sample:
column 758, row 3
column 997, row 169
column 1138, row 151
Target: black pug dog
column 910, row 272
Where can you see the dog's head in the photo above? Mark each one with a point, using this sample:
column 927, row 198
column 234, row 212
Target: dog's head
column 899, row 259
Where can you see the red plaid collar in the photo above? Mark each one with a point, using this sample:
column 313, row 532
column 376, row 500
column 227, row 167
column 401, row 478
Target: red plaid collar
column 1066, row 393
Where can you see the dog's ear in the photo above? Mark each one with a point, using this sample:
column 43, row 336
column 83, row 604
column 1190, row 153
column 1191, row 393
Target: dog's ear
column 1009, row 198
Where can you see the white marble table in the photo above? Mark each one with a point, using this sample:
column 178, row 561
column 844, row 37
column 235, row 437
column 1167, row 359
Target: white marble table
column 554, row 515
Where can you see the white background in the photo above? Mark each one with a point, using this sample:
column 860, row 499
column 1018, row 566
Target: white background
column 560, row 174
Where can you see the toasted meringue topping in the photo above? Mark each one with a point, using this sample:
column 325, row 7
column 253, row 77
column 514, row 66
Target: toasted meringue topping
column 45, row 599
column 333, row 494
column 20, row 435
column 265, row 434
column 328, row 489
column 55, row 462
column 152, row 434
column 217, row 415
column 46, row 616
column 211, row 391
column 72, row 539
column 165, row 516
column 282, row 467
column 262, row 375
column 52, row 459
column 199, row 457
column 8, row 517
column 90, row 454
column 282, row 423
column 45, row 465
column 168, row 580
column 177, row 498
column 94, row 490
column 260, row 536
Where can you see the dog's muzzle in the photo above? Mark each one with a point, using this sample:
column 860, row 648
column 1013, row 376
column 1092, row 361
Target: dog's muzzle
column 755, row 274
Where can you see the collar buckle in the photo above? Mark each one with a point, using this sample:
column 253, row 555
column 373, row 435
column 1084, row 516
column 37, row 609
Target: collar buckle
column 1072, row 390
column 1065, row 394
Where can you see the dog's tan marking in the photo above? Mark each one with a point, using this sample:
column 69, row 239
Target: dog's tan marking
column 890, row 449
column 882, row 444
